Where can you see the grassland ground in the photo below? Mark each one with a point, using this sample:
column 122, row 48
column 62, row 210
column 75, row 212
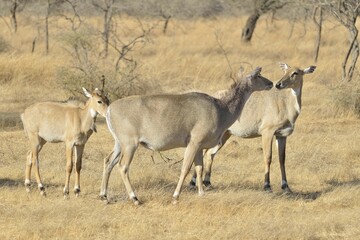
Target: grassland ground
column 323, row 153
column 325, row 181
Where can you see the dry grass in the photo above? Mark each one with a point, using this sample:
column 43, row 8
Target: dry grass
column 322, row 157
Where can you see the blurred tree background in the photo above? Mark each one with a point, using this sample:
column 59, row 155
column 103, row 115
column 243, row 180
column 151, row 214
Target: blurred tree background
column 120, row 69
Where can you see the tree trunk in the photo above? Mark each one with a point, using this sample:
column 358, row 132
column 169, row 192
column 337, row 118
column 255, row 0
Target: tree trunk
column 249, row 28
column 33, row 45
column 107, row 26
column 354, row 52
column 167, row 19
column 319, row 27
column 47, row 33
column 13, row 8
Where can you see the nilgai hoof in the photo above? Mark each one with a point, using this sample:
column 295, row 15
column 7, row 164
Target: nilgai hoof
column 42, row 191
column 208, row 185
column 66, row 196
column 136, row 201
column 27, row 187
column 267, row 188
column 192, row 185
column 104, row 199
column 286, row 188
column 175, row 200
column 77, row 192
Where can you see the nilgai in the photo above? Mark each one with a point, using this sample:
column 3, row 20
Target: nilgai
column 161, row 122
column 69, row 122
column 266, row 114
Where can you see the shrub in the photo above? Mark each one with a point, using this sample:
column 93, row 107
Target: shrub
column 347, row 98
column 87, row 68
column 118, row 85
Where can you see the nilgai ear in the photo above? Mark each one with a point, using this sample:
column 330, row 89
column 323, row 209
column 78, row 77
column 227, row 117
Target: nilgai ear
column 284, row 66
column 310, row 69
column 255, row 73
column 86, row 92
column 240, row 73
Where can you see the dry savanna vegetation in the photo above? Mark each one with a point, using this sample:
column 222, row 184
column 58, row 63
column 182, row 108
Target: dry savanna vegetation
column 323, row 153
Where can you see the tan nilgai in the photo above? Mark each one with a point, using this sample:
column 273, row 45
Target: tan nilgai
column 267, row 114
column 161, row 122
column 69, row 122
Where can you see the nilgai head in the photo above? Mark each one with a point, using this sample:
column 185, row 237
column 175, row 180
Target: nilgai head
column 293, row 77
column 98, row 102
column 258, row 82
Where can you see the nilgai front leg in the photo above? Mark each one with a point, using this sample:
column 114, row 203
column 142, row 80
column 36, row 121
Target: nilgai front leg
column 191, row 151
column 267, row 139
column 69, row 167
column 281, row 143
column 109, row 162
column 33, row 159
column 125, row 161
column 79, row 149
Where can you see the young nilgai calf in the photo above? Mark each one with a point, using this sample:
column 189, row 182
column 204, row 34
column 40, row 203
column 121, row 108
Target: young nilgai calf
column 161, row 122
column 69, row 122
column 267, row 114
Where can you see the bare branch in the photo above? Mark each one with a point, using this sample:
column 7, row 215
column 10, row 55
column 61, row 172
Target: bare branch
column 225, row 55
column 75, row 20
column 6, row 23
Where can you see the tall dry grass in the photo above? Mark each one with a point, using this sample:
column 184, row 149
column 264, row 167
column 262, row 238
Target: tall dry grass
column 322, row 154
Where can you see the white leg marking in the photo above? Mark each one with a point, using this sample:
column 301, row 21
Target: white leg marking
column 193, row 179
column 132, row 195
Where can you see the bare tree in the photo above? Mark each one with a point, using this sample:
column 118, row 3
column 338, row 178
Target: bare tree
column 346, row 12
column 261, row 7
column 107, row 8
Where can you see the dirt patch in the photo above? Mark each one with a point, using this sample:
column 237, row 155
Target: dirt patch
column 10, row 120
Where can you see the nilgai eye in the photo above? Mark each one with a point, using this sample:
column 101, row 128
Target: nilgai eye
column 100, row 102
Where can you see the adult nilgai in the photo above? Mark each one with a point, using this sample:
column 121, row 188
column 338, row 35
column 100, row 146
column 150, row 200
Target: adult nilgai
column 69, row 122
column 267, row 114
column 161, row 122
